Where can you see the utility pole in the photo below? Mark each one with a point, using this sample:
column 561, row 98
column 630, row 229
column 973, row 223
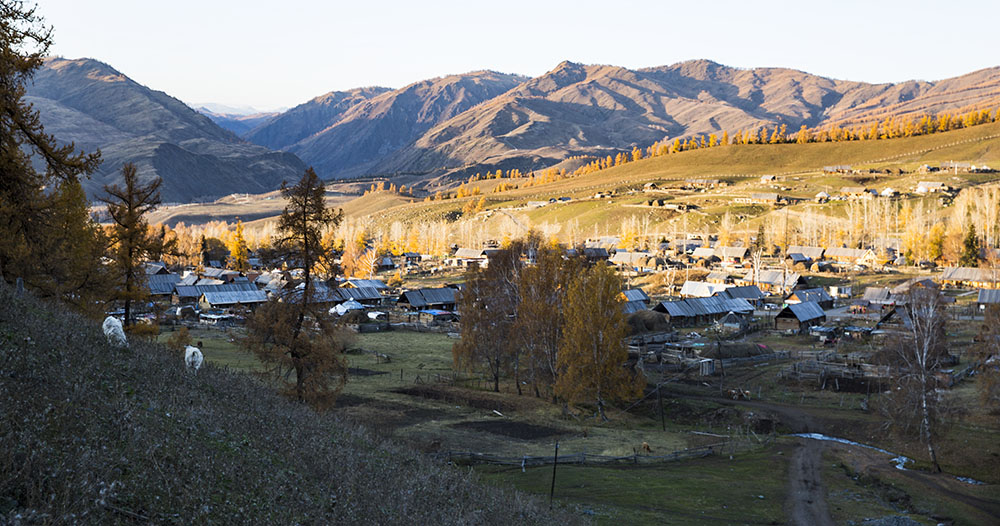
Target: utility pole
column 555, row 462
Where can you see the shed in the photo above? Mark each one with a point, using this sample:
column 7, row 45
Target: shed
column 799, row 253
column 701, row 289
column 751, row 293
column 717, row 276
column 970, row 277
column 162, row 284
column 441, row 298
column 693, row 311
column 988, row 297
column 799, row 317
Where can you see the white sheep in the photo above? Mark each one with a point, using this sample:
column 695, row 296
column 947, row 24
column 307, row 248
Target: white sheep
column 193, row 357
column 114, row 332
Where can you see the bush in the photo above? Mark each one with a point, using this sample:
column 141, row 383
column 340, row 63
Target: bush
column 180, row 339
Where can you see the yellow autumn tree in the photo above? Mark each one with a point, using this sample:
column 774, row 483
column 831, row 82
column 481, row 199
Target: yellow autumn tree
column 592, row 353
column 239, row 256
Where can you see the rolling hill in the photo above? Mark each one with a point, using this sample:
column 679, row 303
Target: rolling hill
column 95, row 106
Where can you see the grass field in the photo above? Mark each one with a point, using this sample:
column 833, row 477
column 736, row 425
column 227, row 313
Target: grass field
column 748, row 489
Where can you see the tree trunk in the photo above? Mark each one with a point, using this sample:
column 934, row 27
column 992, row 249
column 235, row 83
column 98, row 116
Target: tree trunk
column 925, row 425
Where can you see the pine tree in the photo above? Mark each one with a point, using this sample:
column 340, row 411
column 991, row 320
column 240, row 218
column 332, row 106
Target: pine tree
column 29, row 215
column 304, row 358
column 971, row 249
column 592, row 353
column 132, row 242
column 238, row 253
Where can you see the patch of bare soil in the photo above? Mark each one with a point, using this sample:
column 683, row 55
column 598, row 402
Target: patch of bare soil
column 356, row 371
column 806, row 501
column 519, row 430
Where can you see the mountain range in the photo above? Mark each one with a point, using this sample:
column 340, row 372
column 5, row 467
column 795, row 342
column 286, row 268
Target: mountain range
column 95, row 106
column 451, row 126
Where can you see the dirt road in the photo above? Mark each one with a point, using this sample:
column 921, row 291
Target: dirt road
column 805, row 503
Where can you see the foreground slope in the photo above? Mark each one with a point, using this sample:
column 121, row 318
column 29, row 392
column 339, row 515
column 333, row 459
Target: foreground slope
column 90, row 434
column 95, row 106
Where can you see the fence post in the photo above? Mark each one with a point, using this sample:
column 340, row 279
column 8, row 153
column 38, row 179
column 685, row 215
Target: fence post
column 555, row 462
column 659, row 400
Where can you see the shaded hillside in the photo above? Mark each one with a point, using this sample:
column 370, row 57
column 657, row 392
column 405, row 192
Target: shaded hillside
column 236, row 123
column 343, row 134
column 309, row 118
column 95, row 106
column 91, row 434
column 584, row 110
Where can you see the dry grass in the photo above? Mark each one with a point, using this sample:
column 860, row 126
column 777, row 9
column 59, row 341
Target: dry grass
column 90, row 434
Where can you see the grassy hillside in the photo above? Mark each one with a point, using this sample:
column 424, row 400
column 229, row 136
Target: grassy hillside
column 90, row 434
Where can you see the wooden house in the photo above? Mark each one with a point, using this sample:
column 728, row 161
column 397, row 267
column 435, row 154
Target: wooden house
column 799, row 317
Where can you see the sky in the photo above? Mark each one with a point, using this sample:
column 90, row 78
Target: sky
column 275, row 54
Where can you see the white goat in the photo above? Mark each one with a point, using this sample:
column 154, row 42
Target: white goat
column 193, row 357
column 114, row 332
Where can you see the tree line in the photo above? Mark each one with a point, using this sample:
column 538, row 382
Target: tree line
column 555, row 325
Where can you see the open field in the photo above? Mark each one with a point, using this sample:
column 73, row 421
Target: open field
column 425, row 409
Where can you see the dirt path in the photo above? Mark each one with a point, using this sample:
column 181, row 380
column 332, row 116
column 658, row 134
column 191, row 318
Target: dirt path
column 805, row 503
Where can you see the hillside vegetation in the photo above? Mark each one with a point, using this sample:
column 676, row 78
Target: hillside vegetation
column 91, row 434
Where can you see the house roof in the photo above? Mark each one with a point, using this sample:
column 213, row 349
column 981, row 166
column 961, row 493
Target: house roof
column 807, row 311
column 370, row 283
column 970, row 274
column 703, row 252
column 211, row 272
column 842, row 252
column 774, row 277
column 930, row 184
column 876, row 294
column 701, row 289
column 717, row 275
column 162, row 283
column 420, row 298
column 635, row 295
column 731, row 252
column 692, row 307
column 242, row 297
column 988, row 296
column 813, row 253
column 634, row 306
column 764, row 196
column 747, row 292
column 195, row 291
column 188, row 280
column 629, row 258
column 156, row 267
column 810, row 295
column 470, row 253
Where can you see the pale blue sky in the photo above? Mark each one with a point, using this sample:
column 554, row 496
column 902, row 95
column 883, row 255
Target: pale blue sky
column 283, row 52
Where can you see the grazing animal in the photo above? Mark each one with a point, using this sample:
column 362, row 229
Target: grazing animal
column 114, row 332
column 193, row 357
column 646, row 448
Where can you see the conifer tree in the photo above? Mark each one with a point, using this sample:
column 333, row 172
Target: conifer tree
column 971, row 249
column 238, row 252
column 31, row 218
column 132, row 242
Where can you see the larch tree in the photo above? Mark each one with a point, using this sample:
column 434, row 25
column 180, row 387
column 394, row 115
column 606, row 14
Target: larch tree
column 131, row 240
column 298, row 342
column 592, row 355
column 36, row 223
column 239, row 254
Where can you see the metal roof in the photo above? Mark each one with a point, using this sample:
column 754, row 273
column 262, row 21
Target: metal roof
column 693, row 307
column 731, row 252
column 970, row 274
column 188, row 280
column 210, row 272
column 370, row 283
column 813, row 253
column 747, row 292
column 243, row 297
column 988, row 296
column 701, row 289
column 634, row 306
column 807, row 311
column 161, row 283
column 703, row 252
column 876, row 294
column 842, row 252
column 470, row 253
column 807, row 295
column 629, row 258
column 774, row 277
column 717, row 274
column 195, row 291
column 635, row 295
column 425, row 297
